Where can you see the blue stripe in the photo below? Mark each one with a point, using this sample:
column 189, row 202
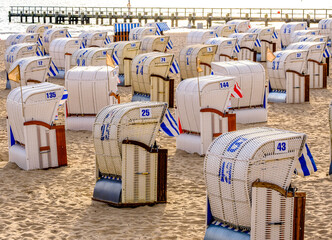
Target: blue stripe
column 175, row 128
column 304, row 167
column 311, row 158
column 166, row 130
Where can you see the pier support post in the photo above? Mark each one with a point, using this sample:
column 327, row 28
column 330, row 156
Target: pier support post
column 9, row 16
column 194, row 19
column 56, row 17
column 44, row 17
column 145, row 19
column 26, row 16
column 32, row 17
column 189, row 19
column 124, row 17
column 110, row 18
column 115, row 17
column 101, row 18
column 130, row 17
column 308, row 20
column 69, row 18
column 209, row 20
column 82, row 18
column 172, row 20
column 156, row 17
column 96, row 16
column 287, row 17
column 38, row 16
column 50, row 17
column 227, row 18
column 265, row 20
column 21, row 16
column 140, row 18
column 176, row 21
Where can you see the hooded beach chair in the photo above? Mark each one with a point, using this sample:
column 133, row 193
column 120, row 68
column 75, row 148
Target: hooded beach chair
column 287, row 81
column 123, row 55
column 246, row 41
column 314, row 67
column 131, row 169
column 223, row 30
column 200, row 36
column 140, row 32
column 309, row 32
column 264, row 40
column 93, row 39
column 14, row 39
column 38, row 28
column 51, row 34
column 287, row 30
column 241, row 26
column 225, row 50
column 250, row 76
column 248, row 176
column 150, row 81
column 89, row 89
column 325, row 27
column 189, row 56
column 202, row 115
column 18, row 51
column 33, row 141
column 154, row 43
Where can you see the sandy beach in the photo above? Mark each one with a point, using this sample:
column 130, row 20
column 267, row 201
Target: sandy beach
column 56, row 203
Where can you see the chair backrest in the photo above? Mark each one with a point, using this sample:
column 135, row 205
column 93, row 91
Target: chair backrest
column 188, row 58
column 22, row 38
column 307, row 32
column 38, row 28
column 215, row 92
column 241, row 26
column 18, row 51
column 315, row 49
column 51, row 34
column 325, row 27
column 40, row 103
column 311, row 38
column 60, row 46
column 89, row 88
column 251, row 78
column 146, row 65
column 287, row 30
column 152, row 43
column 264, row 33
column 237, row 159
column 136, row 121
column 223, row 30
column 139, row 32
column 245, row 39
column 93, row 56
column 31, row 68
column 95, row 38
column 225, row 46
column 200, row 36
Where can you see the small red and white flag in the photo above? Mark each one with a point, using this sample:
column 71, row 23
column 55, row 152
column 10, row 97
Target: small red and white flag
column 237, row 93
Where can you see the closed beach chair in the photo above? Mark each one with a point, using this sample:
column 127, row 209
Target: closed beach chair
column 314, row 67
column 33, row 141
column 200, row 36
column 248, row 176
column 325, row 27
column 250, row 76
column 89, row 90
column 287, row 30
column 123, row 55
column 225, row 50
column 32, row 70
column 131, row 169
column 309, row 32
column 241, row 26
column 14, row 39
column 154, row 43
column 188, row 59
column 246, row 41
column 223, row 30
column 265, row 37
column 202, row 115
column 17, row 51
column 93, row 39
column 50, row 35
column 287, row 81
column 140, row 32
column 122, row 30
column 38, row 28
column 150, row 81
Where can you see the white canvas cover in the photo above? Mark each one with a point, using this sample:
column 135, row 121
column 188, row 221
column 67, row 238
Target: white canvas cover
column 21, row 38
column 18, row 51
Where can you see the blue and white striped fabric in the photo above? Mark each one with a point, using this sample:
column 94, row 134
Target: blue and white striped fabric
column 68, row 35
column 175, row 68
column 107, row 40
column 237, row 48
column 39, row 42
column 169, row 125
column 82, row 45
column 115, row 57
column 306, row 164
column 235, row 30
column 53, row 70
column 275, row 35
column 161, row 26
column 329, row 43
column 39, row 52
column 326, row 53
column 169, row 45
column 124, row 27
column 64, row 97
column 258, row 43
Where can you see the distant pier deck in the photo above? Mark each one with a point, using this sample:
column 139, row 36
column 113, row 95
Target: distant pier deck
column 110, row 15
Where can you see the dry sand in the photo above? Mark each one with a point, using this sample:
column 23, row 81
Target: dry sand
column 56, row 203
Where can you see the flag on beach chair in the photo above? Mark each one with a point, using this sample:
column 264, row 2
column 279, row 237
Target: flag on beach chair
column 258, row 43
column 53, row 70
column 169, row 125
column 275, row 35
column 68, row 35
column 175, row 68
column 39, row 52
column 107, row 40
column 169, row 45
column 237, row 92
column 326, row 53
column 39, row 42
column 237, row 48
column 82, row 45
column 306, row 164
column 115, row 58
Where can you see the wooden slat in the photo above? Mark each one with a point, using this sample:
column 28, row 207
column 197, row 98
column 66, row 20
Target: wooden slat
column 299, row 217
column 324, row 75
column 162, row 176
column 306, row 88
column 45, row 148
column 61, row 144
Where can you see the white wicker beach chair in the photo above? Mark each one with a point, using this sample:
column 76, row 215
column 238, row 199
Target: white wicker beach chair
column 33, row 141
column 248, row 175
column 14, row 39
column 131, row 171
column 288, row 29
column 123, row 55
column 154, row 43
column 314, row 67
column 287, row 81
column 266, row 41
column 223, row 30
column 38, row 28
column 93, row 39
column 32, row 70
column 50, row 35
column 250, row 76
column 225, row 50
column 200, row 36
column 89, row 90
column 246, row 42
column 139, row 32
column 203, row 115
column 241, row 26
column 309, row 32
column 18, row 51
column 150, row 81
column 188, row 60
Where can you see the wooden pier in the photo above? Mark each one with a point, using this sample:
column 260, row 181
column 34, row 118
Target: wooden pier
column 109, row 15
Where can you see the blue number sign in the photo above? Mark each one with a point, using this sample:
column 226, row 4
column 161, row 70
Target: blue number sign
column 145, row 112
